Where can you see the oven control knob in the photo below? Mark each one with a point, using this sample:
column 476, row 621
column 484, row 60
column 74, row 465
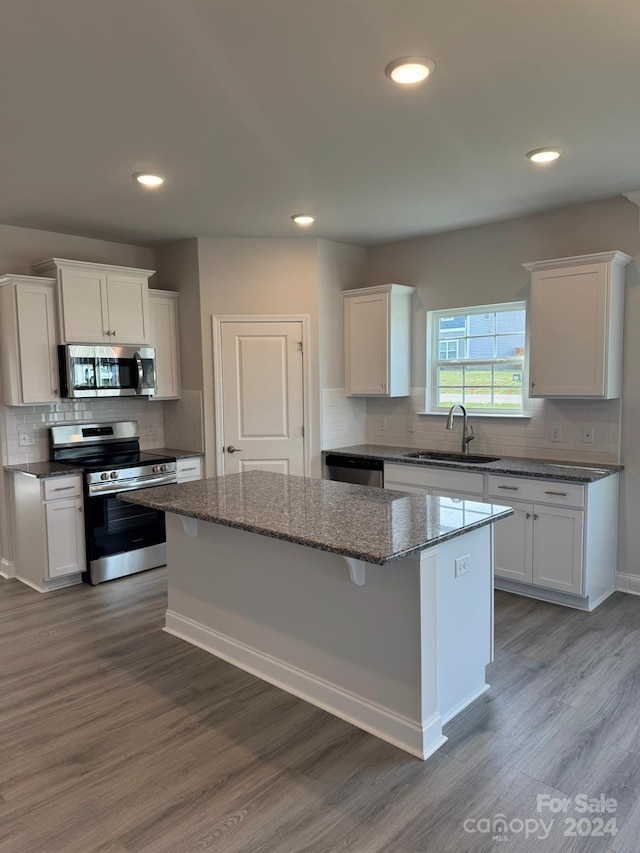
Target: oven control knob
column 163, row 468
column 104, row 476
column 155, row 469
column 114, row 475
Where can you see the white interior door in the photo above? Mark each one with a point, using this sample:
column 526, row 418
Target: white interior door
column 262, row 396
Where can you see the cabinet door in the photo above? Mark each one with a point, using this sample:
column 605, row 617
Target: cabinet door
column 557, row 548
column 65, row 537
column 163, row 316
column 37, row 344
column 367, row 344
column 83, row 307
column 568, row 331
column 513, row 544
column 128, row 309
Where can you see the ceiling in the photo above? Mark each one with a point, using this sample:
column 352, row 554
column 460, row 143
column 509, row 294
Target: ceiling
column 258, row 109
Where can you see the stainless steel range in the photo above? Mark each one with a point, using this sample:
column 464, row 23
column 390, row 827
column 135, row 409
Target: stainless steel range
column 121, row 538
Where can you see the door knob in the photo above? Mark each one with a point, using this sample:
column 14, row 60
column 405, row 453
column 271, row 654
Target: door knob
column 232, row 449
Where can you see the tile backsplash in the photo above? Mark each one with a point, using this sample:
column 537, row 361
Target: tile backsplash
column 183, row 427
column 507, row 436
column 344, row 419
column 354, row 420
column 148, row 413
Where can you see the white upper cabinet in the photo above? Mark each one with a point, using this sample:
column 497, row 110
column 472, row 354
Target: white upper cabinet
column 100, row 304
column 577, row 309
column 377, row 325
column 163, row 314
column 29, row 340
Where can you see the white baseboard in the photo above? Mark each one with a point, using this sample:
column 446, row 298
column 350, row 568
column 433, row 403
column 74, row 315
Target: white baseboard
column 420, row 740
column 7, row 569
column 449, row 715
column 54, row 583
column 628, row 583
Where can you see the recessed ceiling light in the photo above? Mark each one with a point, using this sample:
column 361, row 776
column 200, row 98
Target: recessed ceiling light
column 409, row 70
column 303, row 219
column 544, row 155
column 149, row 179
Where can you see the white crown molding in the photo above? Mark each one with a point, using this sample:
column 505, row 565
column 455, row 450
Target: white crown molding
column 599, row 258
column 634, row 196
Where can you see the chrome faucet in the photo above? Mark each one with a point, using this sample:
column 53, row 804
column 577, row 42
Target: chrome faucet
column 467, row 430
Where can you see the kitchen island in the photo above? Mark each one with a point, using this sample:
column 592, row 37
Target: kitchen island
column 372, row 604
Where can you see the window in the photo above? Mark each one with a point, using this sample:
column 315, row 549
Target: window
column 476, row 358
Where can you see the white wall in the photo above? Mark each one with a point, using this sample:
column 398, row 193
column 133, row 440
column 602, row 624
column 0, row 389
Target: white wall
column 19, row 248
column 257, row 276
column 484, row 265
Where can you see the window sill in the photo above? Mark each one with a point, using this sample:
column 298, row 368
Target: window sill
column 511, row 417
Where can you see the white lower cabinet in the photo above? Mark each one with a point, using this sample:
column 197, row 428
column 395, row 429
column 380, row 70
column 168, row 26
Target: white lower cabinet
column 513, row 545
column 541, row 545
column 189, row 468
column 48, row 530
column 65, row 536
column 559, row 545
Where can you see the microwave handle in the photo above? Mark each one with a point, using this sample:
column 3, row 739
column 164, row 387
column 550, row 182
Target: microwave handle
column 138, row 361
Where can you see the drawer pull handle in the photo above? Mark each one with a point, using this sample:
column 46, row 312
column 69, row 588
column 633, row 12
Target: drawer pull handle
column 510, row 488
column 560, row 494
column 63, row 488
column 193, row 468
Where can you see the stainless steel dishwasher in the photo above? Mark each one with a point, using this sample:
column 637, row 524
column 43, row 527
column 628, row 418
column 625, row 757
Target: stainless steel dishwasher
column 355, row 469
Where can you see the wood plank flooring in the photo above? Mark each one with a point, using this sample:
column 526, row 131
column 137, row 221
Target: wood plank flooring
column 117, row 738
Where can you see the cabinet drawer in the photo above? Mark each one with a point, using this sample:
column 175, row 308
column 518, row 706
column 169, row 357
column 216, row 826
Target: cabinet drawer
column 439, row 478
column 55, row 488
column 536, row 491
column 189, row 469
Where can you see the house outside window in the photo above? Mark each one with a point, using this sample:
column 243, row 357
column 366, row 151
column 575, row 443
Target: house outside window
column 476, row 357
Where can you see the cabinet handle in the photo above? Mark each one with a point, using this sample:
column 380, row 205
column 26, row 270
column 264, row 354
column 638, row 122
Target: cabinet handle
column 114, row 333
column 63, row 488
column 528, row 515
column 533, row 384
column 535, row 516
column 510, row 488
column 107, row 332
column 182, row 470
column 560, row 494
column 79, row 509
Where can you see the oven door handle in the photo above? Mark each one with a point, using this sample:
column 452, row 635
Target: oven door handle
column 111, row 489
column 138, row 361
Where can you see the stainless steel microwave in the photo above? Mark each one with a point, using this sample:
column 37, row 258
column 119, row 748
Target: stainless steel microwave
column 98, row 371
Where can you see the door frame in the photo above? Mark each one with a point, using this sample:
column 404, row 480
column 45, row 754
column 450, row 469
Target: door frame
column 217, row 321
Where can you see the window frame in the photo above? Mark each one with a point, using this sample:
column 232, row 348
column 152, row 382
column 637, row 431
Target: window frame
column 434, row 362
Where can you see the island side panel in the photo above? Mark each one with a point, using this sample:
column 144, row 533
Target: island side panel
column 465, row 619
column 291, row 615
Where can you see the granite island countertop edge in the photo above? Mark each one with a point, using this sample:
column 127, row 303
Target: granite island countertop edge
column 154, row 498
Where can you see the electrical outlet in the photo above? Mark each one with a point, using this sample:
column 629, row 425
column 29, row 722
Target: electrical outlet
column 26, row 437
column 556, row 432
column 382, row 424
column 411, row 427
column 588, row 434
column 150, row 429
column 463, row 565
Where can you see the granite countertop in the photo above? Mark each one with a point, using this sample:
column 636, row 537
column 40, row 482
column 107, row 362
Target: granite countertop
column 171, row 451
column 514, row 466
column 373, row 525
column 43, row 470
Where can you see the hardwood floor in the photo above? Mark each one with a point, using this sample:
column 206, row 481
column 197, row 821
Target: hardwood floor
column 117, row 738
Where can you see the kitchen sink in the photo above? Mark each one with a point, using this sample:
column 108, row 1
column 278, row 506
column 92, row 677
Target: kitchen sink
column 443, row 456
